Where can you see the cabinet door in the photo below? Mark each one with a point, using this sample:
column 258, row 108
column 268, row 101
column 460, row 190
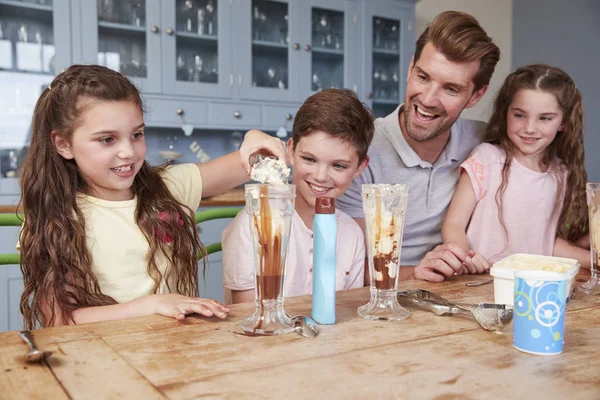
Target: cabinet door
column 267, row 57
column 124, row 35
column 196, row 59
column 329, row 45
column 388, row 43
column 35, row 44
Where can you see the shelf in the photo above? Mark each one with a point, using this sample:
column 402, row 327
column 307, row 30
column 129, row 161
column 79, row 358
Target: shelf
column 20, row 10
column 20, row 71
column 270, row 45
column 26, row 6
column 324, row 50
column 386, row 53
column 195, row 36
column 115, row 27
column 328, row 55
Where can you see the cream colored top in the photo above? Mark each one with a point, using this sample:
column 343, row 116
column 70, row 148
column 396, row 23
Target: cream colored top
column 119, row 250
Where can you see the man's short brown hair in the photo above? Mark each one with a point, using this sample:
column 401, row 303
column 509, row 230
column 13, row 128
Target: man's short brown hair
column 339, row 113
column 460, row 38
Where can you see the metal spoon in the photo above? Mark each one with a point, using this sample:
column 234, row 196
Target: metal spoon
column 491, row 317
column 479, row 283
column 305, row 326
column 34, row 354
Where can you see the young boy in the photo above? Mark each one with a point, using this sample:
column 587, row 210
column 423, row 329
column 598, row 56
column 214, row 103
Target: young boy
column 328, row 149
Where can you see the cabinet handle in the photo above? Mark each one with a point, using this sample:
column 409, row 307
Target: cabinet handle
column 170, row 31
column 296, row 46
column 288, row 116
column 237, row 114
column 370, row 95
column 179, row 111
column 308, row 47
column 155, row 29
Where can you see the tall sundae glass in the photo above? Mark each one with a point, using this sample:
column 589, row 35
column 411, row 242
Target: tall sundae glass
column 384, row 207
column 592, row 286
column 270, row 207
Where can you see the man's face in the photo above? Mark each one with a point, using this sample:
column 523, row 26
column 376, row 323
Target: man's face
column 436, row 93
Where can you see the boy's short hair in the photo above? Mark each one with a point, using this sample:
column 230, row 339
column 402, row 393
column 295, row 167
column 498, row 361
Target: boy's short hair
column 339, row 113
column 459, row 37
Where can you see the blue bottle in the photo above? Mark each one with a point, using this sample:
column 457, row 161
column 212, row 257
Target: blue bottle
column 324, row 246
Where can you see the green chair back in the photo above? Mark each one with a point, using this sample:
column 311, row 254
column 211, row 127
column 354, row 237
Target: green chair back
column 201, row 216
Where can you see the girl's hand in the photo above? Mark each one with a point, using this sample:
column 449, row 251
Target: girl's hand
column 475, row 264
column 257, row 141
column 178, row 306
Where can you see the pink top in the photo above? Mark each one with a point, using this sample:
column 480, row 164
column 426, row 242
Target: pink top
column 238, row 255
column 531, row 208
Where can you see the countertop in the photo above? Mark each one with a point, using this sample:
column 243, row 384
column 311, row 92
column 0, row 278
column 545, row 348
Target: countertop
column 233, row 197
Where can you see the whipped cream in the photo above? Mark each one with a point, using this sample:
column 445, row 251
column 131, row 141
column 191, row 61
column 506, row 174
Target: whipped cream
column 270, row 171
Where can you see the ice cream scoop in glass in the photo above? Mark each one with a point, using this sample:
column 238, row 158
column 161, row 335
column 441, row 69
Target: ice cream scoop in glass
column 384, row 207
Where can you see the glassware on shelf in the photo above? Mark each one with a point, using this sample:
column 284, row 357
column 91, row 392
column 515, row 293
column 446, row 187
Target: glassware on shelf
column 106, row 10
column 384, row 207
column 198, row 69
column 137, row 13
column 6, row 51
column 259, row 20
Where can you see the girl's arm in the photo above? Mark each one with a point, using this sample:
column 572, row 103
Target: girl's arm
column 227, row 172
column 170, row 305
column 564, row 248
column 454, row 228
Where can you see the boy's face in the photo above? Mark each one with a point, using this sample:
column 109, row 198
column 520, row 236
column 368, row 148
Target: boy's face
column 324, row 166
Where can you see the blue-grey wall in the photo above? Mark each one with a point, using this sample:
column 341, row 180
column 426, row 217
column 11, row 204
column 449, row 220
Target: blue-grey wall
column 566, row 34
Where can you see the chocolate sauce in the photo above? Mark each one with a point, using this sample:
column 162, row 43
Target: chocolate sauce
column 268, row 279
column 380, row 263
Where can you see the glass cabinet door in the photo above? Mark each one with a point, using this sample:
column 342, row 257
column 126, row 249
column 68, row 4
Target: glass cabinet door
column 124, row 38
column 264, row 56
column 195, row 59
column 389, row 46
column 331, row 45
column 34, row 46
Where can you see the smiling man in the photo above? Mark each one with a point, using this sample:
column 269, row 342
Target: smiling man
column 423, row 142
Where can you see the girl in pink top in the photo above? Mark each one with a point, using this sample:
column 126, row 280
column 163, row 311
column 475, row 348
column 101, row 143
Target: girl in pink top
column 523, row 191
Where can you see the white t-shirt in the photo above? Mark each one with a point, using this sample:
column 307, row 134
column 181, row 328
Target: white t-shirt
column 238, row 255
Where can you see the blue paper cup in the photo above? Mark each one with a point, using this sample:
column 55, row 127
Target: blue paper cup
column 539, row 312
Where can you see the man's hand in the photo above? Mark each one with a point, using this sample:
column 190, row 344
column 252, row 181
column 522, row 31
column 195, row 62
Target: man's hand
column 445, row 261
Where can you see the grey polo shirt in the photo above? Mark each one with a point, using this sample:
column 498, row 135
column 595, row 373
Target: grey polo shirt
column 430, row 187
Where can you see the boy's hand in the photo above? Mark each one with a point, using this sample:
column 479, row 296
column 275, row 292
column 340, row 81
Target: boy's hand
column 257, row 141
column 445, row 261
column 178, row 306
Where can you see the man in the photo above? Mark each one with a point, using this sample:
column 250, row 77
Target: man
column 423, row 142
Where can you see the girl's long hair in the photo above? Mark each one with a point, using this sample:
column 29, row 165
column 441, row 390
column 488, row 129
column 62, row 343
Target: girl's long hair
column 567, row 146
column 55, row 261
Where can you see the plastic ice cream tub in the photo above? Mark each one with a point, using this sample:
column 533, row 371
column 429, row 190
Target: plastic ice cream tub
column 503, row 272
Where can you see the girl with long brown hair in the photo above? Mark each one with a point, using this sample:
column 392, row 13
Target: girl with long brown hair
column 523, row 190
column 105, row 235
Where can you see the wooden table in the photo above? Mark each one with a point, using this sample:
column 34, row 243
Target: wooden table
column 424, row 357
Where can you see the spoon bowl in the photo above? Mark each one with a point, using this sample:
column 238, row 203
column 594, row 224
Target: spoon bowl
column 34, row 354
column 305, row 326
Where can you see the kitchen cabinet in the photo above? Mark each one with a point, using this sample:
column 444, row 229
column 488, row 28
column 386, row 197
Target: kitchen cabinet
column 220, row 67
